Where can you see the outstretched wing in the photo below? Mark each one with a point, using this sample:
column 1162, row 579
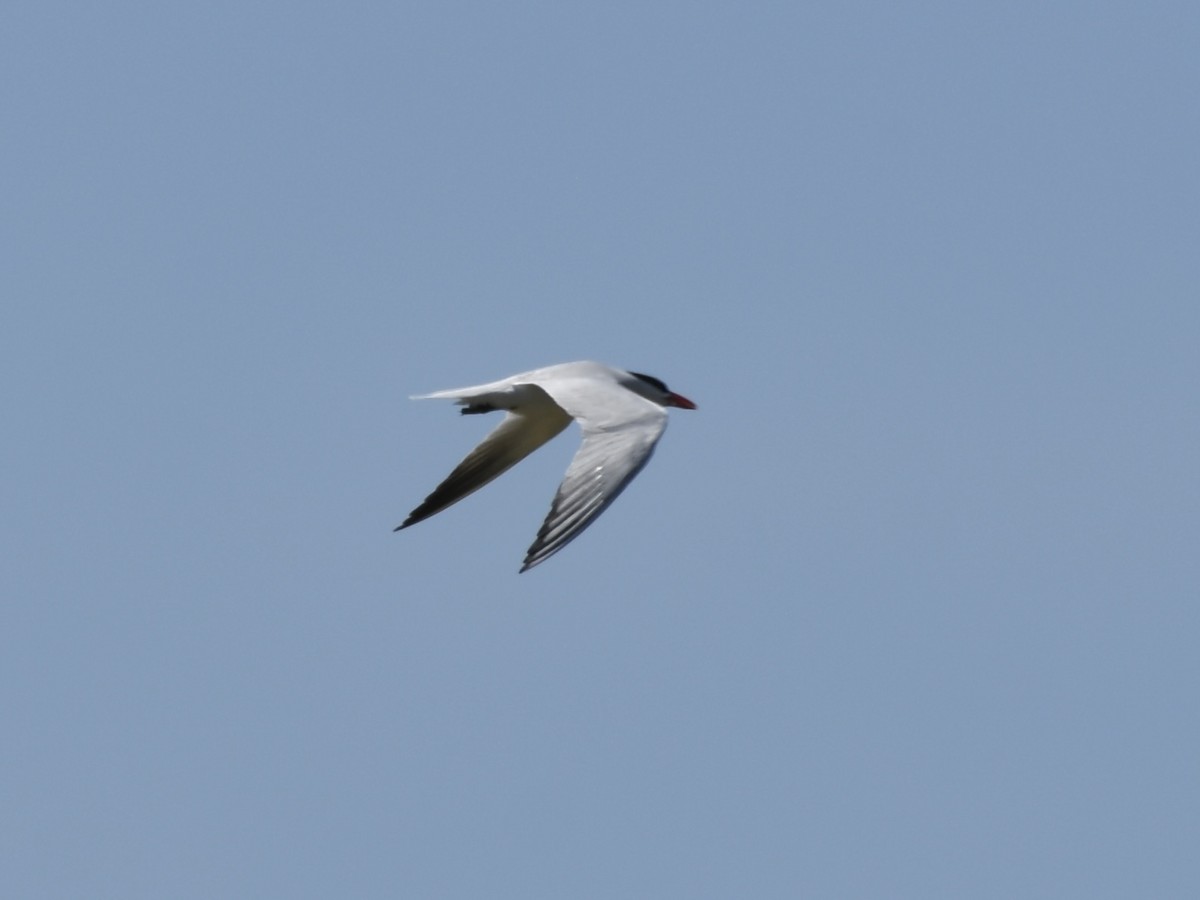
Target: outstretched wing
column 620, row 431
column 521, row 432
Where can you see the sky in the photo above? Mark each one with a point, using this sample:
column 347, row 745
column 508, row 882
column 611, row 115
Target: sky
column 907, row 608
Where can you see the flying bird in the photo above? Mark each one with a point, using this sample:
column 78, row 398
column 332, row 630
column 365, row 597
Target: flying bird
column 622, row 416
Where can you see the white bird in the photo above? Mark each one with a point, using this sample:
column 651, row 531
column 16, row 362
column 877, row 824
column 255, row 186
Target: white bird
column 622, row 415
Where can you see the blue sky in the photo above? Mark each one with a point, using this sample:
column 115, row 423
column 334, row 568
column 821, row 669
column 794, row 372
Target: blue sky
column 907, row 608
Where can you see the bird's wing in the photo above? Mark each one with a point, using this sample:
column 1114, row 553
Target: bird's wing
column 620, row 430
column 521, row 432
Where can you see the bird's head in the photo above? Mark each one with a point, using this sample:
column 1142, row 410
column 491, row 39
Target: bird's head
column 654, row 389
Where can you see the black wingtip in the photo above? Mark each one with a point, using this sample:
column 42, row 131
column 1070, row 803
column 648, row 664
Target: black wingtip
column 529, row 563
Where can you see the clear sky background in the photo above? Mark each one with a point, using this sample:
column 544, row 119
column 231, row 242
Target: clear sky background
column 907, row 608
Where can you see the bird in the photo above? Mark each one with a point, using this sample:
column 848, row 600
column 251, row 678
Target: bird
column 622, row 415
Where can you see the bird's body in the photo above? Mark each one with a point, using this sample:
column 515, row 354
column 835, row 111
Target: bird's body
column 622, row 415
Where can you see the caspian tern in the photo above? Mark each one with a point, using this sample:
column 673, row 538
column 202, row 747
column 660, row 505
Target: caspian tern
column 622, row 415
